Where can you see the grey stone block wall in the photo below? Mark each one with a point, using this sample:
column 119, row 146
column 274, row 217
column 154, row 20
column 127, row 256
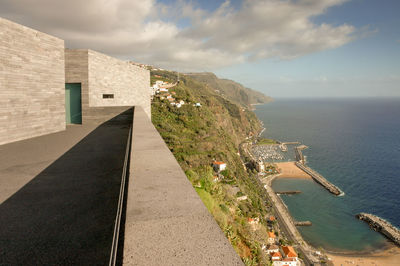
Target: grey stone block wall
column 128, row 83
column 77, row 71
column 32, row 93
column 101, row 74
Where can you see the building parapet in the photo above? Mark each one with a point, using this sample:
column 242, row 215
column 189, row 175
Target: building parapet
column 166, row 221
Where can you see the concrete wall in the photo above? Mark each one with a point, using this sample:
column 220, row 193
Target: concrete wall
column 128, row 83
column 31, row 83
column 76, row 71
column 166, row 221
column 101, row 74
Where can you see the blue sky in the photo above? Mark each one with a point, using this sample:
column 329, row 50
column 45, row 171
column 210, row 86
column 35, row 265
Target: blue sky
column 369, row 66
column 284, row 48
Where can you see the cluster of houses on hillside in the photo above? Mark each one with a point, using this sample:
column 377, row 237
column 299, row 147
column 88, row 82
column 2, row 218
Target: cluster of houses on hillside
column 280, row 255
column 161, row 89
column 160, row 86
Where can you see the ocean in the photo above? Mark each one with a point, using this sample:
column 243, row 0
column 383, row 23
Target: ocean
column 355, row 144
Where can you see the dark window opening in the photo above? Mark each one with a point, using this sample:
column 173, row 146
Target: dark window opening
column 108, row 96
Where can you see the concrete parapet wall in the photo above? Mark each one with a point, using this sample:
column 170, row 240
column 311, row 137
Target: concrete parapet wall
column 166, row 221
column 31, row 83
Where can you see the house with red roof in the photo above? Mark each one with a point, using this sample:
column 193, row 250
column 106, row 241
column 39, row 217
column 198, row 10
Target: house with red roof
column 271, row 238
column 277, row 256
column 289, row 252
column 253, row 220
column 219, row 166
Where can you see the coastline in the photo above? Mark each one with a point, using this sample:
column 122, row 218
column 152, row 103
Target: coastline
column 389, row 254
column 290, row 170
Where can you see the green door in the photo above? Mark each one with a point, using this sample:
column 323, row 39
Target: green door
column 73, row 103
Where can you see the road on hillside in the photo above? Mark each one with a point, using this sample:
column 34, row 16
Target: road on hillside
column 284, row 221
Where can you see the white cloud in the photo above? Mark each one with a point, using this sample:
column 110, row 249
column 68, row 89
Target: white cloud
column 183, row 36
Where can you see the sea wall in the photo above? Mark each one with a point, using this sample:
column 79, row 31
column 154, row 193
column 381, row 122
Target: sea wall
column 31, row 83
column 382, row 226
column 320, row 179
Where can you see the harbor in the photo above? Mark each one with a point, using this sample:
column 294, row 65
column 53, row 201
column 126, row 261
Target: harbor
column 267, row 153
column 369, row 181
column 283, row 152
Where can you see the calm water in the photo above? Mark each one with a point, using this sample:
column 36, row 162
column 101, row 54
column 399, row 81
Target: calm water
column 356, row 145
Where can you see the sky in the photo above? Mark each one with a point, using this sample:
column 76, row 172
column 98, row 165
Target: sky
column 284, row 48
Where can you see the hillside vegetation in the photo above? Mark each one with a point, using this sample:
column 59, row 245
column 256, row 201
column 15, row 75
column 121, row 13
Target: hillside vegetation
column 198, row 135
column 230, row 89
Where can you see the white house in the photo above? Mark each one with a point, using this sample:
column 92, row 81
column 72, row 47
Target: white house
column 286, row 262
column 276, row 256
column 260, row 166
column 219, row 166
column 253, row 220
column 242, row 198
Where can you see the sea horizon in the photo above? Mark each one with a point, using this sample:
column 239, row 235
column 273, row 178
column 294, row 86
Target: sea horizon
column 354, row 143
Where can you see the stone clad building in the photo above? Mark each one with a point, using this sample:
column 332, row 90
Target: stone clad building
column 91, row 193
column 105, row 81
column 31, row 83
column 45, row 86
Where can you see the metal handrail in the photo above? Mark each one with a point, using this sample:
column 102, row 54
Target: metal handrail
column 117, row 225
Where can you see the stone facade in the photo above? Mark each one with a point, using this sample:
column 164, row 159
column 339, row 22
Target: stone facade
column 129, row 84
column 32, row 90
column 101, row 74
column 77, row 71
column 34, row 68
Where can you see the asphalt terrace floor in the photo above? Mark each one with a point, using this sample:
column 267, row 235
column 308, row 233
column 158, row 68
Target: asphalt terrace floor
column 58, row 195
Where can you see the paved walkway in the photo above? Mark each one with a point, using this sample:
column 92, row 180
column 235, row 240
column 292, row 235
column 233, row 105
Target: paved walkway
column 58, row 195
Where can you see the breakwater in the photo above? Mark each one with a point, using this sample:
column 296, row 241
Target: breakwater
column 320, row 179
column 382, row 226
column 299, row 154
column 288, row 192
column 303, row 223
column 283, row 145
